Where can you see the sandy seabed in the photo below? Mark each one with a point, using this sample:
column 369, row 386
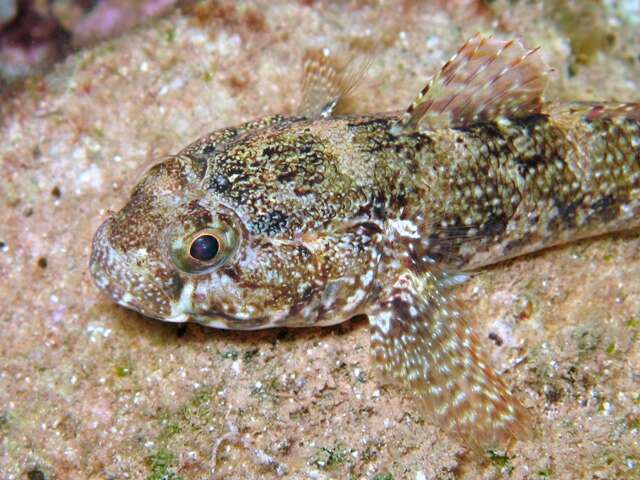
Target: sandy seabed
column 91, row 390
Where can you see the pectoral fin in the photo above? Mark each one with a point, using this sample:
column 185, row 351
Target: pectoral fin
column 421, row 339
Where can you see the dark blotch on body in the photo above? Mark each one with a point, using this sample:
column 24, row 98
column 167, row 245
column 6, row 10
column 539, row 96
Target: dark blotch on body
column 209, row 149
column 604, row 207
column 269, row 223
column 495, row 224
column 528, row 165
column 233, row 272
column 566, row 213
column 220, row 183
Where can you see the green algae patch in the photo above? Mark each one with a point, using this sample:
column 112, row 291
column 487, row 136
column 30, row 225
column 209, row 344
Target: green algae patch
column 500, row 460
column 169, row 35
column 170, row 429
column 587, row 339
column 230, row 354
column 197, row 414
column 162, row 466
column 383, row 476
column 123, row 371
column 332, row 457
column 543, row 474
column 632, row 323
column 497, row 458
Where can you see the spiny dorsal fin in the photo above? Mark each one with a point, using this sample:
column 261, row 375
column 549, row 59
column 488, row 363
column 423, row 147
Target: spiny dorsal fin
column 486, row 79
column 326, row 83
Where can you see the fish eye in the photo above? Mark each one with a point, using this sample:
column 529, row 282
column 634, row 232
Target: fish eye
column 205, row 247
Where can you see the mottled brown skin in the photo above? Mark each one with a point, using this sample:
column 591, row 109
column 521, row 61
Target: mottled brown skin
column 318, row 201
column 494, row 191
column 292, row 191
column 319, row 218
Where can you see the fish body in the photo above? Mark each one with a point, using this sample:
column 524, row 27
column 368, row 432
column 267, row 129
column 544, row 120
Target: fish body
column 312, row 219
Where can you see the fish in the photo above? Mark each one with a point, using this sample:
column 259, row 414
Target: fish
column 314, row 218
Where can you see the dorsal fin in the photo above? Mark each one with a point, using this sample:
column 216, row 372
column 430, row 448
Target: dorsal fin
column 486, row 79
column 596, row 110
column 326, row 83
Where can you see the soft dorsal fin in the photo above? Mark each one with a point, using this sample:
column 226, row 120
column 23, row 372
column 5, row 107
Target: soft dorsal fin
column 596, row 110
column 486, row 79
column 326, row 83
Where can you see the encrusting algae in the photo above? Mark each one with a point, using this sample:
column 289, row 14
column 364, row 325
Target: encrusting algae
column 312, row 219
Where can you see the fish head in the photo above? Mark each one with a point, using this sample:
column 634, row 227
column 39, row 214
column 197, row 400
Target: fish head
column 188, row 247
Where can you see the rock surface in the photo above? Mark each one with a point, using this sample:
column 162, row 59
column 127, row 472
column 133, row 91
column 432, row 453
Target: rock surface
column 90, row 390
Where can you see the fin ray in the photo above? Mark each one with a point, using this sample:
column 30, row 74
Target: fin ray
column 597, row 110
column 327, row 84
column 487, row 78
column 421, row 340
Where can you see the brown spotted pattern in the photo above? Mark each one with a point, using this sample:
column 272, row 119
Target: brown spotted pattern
column 319, row 218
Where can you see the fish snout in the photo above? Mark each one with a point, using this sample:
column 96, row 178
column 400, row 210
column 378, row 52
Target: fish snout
column 126, row 278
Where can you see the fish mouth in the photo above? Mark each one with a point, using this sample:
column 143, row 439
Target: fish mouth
column 116, row 274
column 182, row 310
column 220, row 321
column 113, row 275
column 179, row 318
column 229, row 322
